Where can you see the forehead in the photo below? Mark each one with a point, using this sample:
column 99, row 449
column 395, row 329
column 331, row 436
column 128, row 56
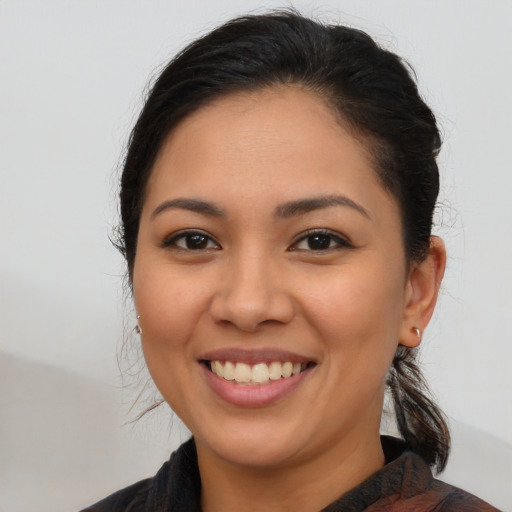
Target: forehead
column 276, row 144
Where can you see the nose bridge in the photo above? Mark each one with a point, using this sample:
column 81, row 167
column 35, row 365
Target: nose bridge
column 252, row 291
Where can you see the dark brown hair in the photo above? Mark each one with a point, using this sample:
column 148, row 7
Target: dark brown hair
column 368, row 87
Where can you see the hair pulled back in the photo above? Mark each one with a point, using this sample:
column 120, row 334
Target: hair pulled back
column 369, row 88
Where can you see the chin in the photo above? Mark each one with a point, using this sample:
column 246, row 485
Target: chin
column 253, row 446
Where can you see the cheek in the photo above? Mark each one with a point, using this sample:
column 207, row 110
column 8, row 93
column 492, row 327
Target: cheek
column 170, row 307
column 358, row 311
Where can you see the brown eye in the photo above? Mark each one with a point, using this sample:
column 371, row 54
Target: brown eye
column 320, row 241
column 195, row 241
column 191, row 241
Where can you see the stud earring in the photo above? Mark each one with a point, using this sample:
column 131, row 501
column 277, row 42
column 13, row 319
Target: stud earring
column 137, row 327
column 417, row 331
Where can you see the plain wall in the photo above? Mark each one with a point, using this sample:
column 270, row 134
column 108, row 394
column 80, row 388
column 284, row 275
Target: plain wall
column 72, row 76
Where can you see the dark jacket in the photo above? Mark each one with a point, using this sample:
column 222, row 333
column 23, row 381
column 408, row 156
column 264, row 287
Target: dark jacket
column 405, row 483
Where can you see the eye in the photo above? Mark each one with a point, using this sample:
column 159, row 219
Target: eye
column 320, row 240
column 191, row 241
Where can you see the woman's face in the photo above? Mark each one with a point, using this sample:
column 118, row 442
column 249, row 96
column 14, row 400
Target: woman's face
column 267, row 245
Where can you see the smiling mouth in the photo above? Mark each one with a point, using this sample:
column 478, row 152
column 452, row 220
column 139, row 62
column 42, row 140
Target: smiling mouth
column 256, row 374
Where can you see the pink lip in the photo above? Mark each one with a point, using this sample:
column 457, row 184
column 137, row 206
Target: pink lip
column 263, row 355
column 253, row 396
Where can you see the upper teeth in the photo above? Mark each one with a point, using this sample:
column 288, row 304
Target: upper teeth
column 259, row 373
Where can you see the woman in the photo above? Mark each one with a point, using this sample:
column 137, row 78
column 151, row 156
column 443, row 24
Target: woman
column 276, row 203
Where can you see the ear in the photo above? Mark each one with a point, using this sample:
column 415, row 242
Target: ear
column 422, row 289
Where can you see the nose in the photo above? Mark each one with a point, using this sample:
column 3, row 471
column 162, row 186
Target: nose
column 252, row 293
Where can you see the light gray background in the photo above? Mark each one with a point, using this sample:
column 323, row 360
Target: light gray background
column 71, row 80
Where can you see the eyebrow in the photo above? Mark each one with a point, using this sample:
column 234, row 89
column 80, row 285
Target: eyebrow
column 284, row 210
column 306, row 205
column 193, row 205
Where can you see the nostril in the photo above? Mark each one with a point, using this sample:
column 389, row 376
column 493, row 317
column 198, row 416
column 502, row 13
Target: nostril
column 249, row 312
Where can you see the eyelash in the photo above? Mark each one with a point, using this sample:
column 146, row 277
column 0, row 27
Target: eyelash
column 171, row 241
column 330, row 236
column 340, row 241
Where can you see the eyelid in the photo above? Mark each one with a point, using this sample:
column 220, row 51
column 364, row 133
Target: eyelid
column 169, row 241
column 341, row 240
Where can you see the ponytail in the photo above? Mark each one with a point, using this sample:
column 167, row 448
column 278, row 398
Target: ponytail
column 420, row 421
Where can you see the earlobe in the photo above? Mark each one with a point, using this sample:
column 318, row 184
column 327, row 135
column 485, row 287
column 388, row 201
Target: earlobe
column 422, row 291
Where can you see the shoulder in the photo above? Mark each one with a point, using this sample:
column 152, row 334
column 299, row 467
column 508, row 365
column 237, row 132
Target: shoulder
column 406, row 483
column 419, row 490
column 176, row 487
column 447, row 497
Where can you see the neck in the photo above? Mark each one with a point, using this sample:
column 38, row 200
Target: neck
column 307, row 485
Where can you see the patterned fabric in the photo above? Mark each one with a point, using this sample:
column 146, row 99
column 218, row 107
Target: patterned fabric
column 404, row 484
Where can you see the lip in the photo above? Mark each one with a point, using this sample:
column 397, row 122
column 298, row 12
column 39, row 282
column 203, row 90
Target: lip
column 251, row 396
column 264, row 355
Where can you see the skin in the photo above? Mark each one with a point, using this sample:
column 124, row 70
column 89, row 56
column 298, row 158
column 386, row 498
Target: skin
column 257, row 284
